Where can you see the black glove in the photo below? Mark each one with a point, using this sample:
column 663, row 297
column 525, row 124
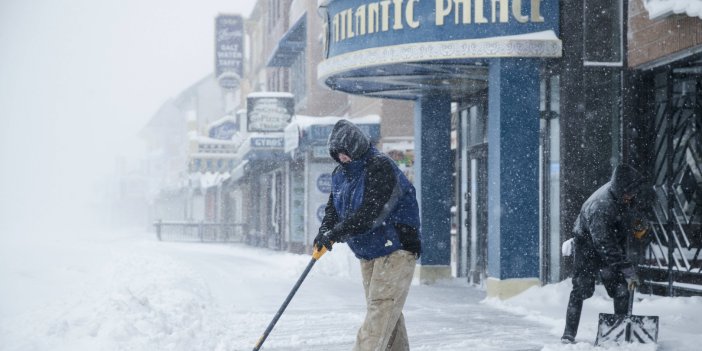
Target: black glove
column 632, row 279
column 324, row 239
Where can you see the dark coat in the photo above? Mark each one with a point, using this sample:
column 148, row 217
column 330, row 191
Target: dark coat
column 372, row 205
column 606, row 222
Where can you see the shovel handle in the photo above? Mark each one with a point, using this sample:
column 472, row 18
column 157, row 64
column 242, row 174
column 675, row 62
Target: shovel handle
column 284, row 306
column 631, row 300
column 316, row 255
column 317, row 252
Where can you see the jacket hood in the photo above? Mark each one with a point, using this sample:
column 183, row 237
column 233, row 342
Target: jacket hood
column 626, row 180
column 346, row 137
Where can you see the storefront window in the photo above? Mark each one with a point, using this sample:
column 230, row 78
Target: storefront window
column 603, row 26
column 603, row 104
column 550, row 175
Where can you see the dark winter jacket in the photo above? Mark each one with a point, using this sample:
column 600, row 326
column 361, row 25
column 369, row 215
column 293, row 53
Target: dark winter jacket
column 372, row 205
column 606, row 222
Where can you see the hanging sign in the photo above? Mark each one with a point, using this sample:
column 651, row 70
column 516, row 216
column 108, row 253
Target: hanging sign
column 269, row 112
column 229, row 50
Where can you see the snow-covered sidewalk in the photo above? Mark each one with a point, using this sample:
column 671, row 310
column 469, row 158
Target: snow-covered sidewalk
column 126, row 291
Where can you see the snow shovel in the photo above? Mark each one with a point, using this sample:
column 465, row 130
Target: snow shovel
column 618, row 328
column 316, row 255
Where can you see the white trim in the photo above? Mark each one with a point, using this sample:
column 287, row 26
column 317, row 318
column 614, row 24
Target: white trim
column 543, row 45
column 602, row 64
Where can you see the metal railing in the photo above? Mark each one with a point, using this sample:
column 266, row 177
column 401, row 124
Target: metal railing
column 672, row 262
column 201, row 231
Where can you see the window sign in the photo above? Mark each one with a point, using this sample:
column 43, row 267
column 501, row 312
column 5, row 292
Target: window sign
column 321, row 152
column 324, row 182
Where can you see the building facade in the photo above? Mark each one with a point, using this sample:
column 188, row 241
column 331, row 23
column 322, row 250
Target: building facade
column 543, row 104
column 664, row 116
column 286, row 192
column 505, row 114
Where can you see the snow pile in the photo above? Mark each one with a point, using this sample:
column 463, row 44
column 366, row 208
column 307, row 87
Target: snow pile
column 678, row 317
column 127, row 291
column 662, row 8
column 151, row 302
column 340, row 263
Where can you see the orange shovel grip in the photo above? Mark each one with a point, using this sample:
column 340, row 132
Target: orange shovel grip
column 317, row 253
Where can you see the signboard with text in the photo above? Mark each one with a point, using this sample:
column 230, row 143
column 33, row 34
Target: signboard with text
column 269, row 112
column 229, row 50
column 319, row 186
column 359, row 24
column 224, row 130
column 267, row 143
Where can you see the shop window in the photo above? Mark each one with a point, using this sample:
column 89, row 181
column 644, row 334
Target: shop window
column 550, row 173
column 298, row 78
column 603, row 107
column 603, row 32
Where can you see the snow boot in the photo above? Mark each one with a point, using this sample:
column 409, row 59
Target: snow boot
column 567, row 339
column 575, row 307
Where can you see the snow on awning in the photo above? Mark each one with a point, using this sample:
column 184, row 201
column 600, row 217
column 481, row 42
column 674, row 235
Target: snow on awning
column 208, row 180
column 306, row 131
column 662, row 8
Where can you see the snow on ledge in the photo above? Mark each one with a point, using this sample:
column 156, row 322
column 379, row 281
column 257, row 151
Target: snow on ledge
column 662, row 8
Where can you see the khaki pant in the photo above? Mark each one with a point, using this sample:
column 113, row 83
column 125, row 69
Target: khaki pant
column 386, row 282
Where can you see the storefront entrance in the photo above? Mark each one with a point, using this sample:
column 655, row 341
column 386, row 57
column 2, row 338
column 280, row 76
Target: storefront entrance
column 472, row 188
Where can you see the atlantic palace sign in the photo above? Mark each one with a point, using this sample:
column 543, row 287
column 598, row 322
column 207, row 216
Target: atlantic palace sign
column 394, row 31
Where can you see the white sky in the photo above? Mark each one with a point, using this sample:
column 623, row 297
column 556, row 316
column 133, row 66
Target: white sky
column 79, row 79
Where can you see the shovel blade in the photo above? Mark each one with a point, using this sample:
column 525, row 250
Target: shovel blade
column 619, row 328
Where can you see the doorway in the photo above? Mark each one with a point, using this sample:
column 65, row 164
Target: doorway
column 472, row 188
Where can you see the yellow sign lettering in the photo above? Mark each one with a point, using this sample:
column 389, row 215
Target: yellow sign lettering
column 361, row 19
column 397, row 23
column 517, row 11
column 536, row 11
column 375, row 16
column 443, row 9
column 504, row 10
column 409, row 14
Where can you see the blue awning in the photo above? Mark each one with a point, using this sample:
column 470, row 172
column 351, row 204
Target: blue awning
column 305, row 132
column 290, row 45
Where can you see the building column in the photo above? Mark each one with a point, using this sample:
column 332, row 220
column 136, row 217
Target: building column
column 513, row 176
column 432, row 180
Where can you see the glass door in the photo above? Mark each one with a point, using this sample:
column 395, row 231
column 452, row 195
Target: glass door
column 472, row 189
